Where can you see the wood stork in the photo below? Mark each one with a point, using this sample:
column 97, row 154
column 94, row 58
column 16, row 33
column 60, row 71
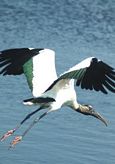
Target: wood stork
column 50, row 91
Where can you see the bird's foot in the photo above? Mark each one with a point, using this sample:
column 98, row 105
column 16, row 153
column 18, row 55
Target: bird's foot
column 16, row 140
column 6, row 135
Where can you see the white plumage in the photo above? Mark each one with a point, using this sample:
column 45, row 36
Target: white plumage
column 44, row 72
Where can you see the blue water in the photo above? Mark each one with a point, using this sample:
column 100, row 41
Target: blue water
column 75, row 29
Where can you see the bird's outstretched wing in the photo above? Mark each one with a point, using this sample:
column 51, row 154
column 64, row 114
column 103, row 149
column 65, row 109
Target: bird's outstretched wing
column 34, row 63
column 91, row 74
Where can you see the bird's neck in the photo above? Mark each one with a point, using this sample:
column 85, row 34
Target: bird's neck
column 80, row 108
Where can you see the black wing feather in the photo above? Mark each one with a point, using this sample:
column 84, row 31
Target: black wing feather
column 95, row 77
column 12, row 60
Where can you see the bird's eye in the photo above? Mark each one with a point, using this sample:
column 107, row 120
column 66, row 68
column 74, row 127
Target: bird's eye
column 90, row 107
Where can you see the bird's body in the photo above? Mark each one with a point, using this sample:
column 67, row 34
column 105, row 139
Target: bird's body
column 64, row 94
column 50, row 91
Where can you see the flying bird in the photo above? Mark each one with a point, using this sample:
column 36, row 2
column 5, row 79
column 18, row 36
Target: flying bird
column 50, row 91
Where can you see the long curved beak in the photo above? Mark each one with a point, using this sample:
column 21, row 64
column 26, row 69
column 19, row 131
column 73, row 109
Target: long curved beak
column 98, row 116
column 88, row 110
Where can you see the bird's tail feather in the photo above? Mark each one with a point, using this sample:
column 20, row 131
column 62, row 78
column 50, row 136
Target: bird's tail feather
column 38, row 100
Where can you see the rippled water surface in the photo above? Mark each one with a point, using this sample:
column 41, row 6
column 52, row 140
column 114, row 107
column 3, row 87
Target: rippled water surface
column 75, row 29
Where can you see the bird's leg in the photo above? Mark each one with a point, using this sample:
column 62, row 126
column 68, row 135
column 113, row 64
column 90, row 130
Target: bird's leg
column 17, row 139
column 10, row 132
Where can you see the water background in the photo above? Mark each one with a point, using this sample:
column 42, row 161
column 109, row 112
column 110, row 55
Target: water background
column 75, row 29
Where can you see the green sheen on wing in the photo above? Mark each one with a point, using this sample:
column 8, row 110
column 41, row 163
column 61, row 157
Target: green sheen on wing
column 28, row 71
